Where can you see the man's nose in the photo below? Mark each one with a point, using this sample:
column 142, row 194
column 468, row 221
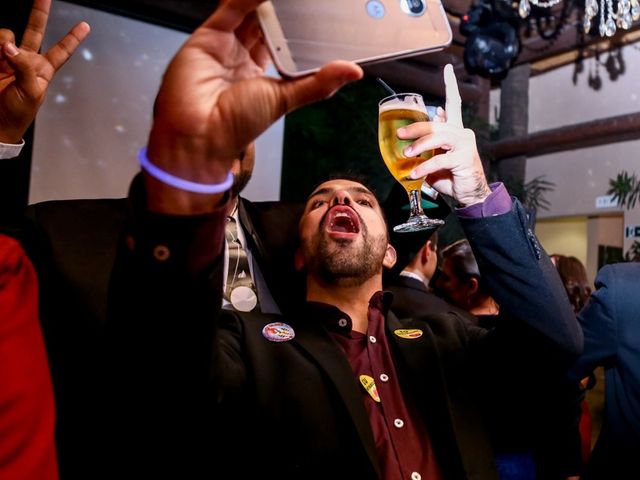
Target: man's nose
column 341, row 197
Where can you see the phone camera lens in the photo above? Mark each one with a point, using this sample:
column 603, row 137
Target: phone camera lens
column 375, row 9
column 415, row 8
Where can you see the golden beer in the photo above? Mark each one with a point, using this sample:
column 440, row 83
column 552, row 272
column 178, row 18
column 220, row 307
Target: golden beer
column 394, row 112
column 391, row 147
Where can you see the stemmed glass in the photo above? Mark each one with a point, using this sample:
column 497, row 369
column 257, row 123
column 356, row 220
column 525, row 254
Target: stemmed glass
column 394, row 112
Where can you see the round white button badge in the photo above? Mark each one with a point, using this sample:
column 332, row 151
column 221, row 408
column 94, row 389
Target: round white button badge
column 375, row 9
column 243, row 299
column 398, row 423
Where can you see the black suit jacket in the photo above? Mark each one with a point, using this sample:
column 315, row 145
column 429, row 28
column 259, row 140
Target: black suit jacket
column 411, row 297
column 539, row 420
column 74, row 245
column 294, row 409
column 271, row 230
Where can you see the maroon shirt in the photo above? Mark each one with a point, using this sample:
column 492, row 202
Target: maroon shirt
column 400, row 434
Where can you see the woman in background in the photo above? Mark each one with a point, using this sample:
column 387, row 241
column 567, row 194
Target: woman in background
column 574, row 277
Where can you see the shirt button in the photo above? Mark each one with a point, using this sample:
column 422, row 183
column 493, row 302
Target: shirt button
column 342, row 322
column 384, row 377
column 416, row 476
column 398, row 423
column 372, row 339
column 161, row 253
column 130, row 242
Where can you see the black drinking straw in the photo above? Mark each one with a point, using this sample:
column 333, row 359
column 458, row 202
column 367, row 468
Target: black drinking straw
column 387, row 87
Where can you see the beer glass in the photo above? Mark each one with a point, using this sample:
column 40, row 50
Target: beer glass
column 394, row 112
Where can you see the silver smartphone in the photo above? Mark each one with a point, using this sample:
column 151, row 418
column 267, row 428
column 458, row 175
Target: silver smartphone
column 303, row 35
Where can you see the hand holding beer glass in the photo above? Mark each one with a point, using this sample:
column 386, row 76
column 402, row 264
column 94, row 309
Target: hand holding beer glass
column 394, row 112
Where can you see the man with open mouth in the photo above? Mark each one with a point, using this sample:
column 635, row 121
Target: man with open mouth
column 340, row 388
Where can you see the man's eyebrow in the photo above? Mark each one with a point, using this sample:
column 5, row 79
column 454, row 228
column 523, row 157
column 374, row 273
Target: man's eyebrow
column 361, row 190
column 354, row 189
column 320, row 191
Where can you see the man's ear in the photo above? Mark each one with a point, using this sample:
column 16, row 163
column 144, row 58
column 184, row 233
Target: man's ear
column 473, row 285
column 424, row 254
column 390, row 256
column 298, row 260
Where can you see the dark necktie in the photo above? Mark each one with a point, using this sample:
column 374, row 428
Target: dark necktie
column 240, row 290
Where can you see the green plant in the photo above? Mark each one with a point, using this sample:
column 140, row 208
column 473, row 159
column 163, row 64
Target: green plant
column 337, row 135
column 625, row 189
column 532, row 193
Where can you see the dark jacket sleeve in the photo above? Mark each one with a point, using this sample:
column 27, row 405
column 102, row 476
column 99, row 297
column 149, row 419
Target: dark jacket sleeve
column 166, row 283
column 522, row 362
column 522, row 279
column 165, row 296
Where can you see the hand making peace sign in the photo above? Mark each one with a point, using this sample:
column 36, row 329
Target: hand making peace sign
column 25, row 74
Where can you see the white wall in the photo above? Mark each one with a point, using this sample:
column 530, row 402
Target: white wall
column 581, row 175
column 554, row 101
column 98, row 110
column 565, row 236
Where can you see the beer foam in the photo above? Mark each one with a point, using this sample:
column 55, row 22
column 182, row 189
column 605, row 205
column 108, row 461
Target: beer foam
column 398, row 104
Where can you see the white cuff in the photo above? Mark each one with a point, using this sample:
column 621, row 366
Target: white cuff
column 10, row 150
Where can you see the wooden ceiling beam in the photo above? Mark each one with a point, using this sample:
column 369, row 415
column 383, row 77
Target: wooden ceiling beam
column 570, row 40
column 457, row 7
column 588, row 134
column 589, row 51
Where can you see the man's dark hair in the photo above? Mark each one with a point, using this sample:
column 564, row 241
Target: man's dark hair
column 574, row 277
column 358, row 178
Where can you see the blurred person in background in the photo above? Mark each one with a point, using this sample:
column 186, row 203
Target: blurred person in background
column 611, row 325
column 411, row 288
column 574, row 277
column 537, row 438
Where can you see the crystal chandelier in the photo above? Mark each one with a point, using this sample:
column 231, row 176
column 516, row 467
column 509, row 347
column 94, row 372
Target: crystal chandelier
column 524, row 6
column 628, row 11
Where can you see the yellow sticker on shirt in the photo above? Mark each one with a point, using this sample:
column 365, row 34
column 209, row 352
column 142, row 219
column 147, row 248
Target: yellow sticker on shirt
column 370, row 386
column 410, row 333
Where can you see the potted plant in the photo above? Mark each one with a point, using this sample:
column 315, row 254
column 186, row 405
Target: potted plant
column 625, row 189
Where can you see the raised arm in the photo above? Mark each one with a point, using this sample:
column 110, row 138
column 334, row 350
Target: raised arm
column 522, row 279
column 457, row 171
column 25, row 73
column 215, row 100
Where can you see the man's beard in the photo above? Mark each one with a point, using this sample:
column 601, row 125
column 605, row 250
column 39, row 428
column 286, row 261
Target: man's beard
column 335, row 263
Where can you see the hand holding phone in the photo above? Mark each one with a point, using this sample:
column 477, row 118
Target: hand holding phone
column 303, row 35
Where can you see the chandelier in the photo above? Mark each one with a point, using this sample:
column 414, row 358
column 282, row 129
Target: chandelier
column 611, row 19
column 524, row 6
